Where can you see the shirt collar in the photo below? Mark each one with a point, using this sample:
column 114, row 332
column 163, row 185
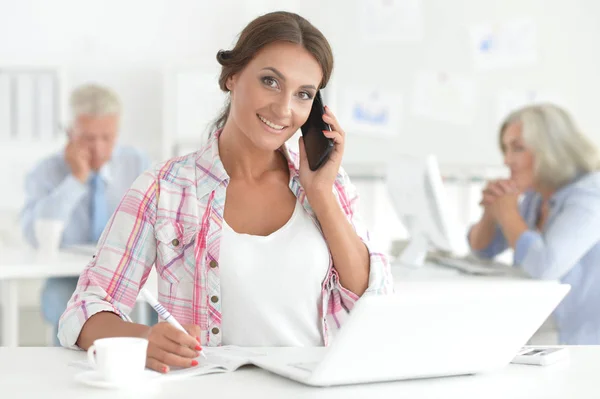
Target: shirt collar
column 210, row 165
column 105, row 172
column 563, row 192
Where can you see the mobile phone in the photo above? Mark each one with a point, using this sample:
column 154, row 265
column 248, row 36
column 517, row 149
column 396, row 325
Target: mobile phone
column 318, row 147
column 540, row 356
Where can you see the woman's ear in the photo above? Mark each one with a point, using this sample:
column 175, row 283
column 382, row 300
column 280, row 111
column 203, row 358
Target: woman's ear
column 230, row 83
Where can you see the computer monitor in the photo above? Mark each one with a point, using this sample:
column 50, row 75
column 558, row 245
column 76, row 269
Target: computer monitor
column 418, row 195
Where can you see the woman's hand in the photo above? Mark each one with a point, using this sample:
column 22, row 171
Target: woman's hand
column 500, row 197
column 507, row 204
column 321, row 181
column 496, row 189
column 168, row 346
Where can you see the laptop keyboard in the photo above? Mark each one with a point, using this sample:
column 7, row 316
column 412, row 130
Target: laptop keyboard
column 472, row 266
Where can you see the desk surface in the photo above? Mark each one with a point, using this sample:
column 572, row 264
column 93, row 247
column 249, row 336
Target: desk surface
column 435, row 272
column 18, row 263
column 45, row 373
column 27, row 263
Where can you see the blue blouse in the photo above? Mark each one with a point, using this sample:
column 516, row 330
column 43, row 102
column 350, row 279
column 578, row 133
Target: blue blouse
column 567, row 249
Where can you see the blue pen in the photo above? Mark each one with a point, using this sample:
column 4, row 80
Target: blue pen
column 164, row 313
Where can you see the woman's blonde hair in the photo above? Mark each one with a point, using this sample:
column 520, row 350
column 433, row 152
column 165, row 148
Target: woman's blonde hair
column 561, row 152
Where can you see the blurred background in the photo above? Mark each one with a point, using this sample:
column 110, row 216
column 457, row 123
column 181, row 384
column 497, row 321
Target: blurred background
column 413, row 77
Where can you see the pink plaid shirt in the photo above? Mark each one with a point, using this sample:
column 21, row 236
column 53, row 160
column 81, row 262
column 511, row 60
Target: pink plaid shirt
column 172, row 218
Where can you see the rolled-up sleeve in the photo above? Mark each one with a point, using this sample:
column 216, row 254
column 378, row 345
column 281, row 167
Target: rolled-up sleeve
column 568, row 237
column 46, row 202
column 495, row 247
column 380, row 276
column 126, row 253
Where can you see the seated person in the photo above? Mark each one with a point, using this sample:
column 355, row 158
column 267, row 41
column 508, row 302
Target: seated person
column 81, row 185
column 555, row 228
column 251, row 247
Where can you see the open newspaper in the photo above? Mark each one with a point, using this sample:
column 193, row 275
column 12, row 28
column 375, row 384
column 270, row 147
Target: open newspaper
column 218, row 360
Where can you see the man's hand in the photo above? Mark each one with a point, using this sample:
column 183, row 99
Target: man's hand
column 78, row 157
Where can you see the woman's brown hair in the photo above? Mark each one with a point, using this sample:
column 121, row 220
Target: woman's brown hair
column 267, row 29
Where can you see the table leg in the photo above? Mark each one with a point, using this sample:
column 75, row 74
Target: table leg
column 143, row 312
column 9, row 290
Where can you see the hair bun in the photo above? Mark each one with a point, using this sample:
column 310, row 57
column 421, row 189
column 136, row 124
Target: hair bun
column 223, row 56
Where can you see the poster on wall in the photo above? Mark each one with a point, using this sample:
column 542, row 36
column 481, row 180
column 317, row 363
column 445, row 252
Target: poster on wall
column 370, row 111
column 509, row 100
column 444, row 97
column 390, row 20
column 509, row 44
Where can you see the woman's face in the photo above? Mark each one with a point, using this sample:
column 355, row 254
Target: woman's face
column 272, row 96
column 517, row 157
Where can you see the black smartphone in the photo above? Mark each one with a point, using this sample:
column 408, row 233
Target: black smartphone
column 318, row 147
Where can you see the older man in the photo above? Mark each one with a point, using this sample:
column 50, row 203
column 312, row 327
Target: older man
column 82, row 185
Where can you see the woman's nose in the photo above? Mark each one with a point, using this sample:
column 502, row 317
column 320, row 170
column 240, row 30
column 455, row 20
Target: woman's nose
column 283, row 107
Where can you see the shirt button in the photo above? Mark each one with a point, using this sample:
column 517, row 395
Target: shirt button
column 214, row 299
column 175, row 242
column 215, row 330
column 213, row 264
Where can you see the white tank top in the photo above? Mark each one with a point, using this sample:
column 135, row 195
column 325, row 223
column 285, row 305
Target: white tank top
column 271, row 285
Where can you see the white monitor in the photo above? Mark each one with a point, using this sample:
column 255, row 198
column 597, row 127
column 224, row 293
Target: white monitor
column 418, row 195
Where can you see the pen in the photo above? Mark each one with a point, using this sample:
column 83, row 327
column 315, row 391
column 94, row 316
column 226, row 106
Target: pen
column 164, row 313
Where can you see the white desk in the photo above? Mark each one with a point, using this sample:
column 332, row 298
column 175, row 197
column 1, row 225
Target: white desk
column 25, row 263
column 45, row 373
column 434, row 272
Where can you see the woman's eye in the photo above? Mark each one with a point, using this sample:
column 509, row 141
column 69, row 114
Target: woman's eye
column 270, row 82
column 305, row 96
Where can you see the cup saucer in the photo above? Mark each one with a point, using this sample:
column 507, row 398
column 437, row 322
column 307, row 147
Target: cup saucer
column 94, row 379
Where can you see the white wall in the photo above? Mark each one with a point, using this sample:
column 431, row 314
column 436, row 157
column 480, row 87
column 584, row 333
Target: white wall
column 127, row 43
column 568, row 61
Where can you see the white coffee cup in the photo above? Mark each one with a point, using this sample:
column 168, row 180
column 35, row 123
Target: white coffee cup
column 48, row 233
column 119, row 360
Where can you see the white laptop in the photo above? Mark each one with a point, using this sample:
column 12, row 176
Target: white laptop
column 426, row 329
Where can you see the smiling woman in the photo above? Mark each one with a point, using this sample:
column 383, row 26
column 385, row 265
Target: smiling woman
column 281, row 28
column 273, row 94
column 252, row 248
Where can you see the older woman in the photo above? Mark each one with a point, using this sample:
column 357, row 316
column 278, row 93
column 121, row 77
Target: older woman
column 555, row 228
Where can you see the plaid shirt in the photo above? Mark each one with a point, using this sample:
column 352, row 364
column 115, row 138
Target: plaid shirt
column 172, row 218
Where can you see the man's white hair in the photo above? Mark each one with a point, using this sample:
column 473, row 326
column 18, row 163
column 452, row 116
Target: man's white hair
column 561, row 151
column 94, row 100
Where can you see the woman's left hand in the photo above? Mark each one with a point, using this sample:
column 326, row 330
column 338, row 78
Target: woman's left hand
column 505, row 205
column 321, row 181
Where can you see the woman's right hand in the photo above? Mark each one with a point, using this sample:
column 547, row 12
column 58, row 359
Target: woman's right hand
column 168, row 346
column 482, row 233
column 495, row 189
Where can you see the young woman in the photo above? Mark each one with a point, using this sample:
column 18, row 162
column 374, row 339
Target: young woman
column 251, row 247
column 555, row 229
